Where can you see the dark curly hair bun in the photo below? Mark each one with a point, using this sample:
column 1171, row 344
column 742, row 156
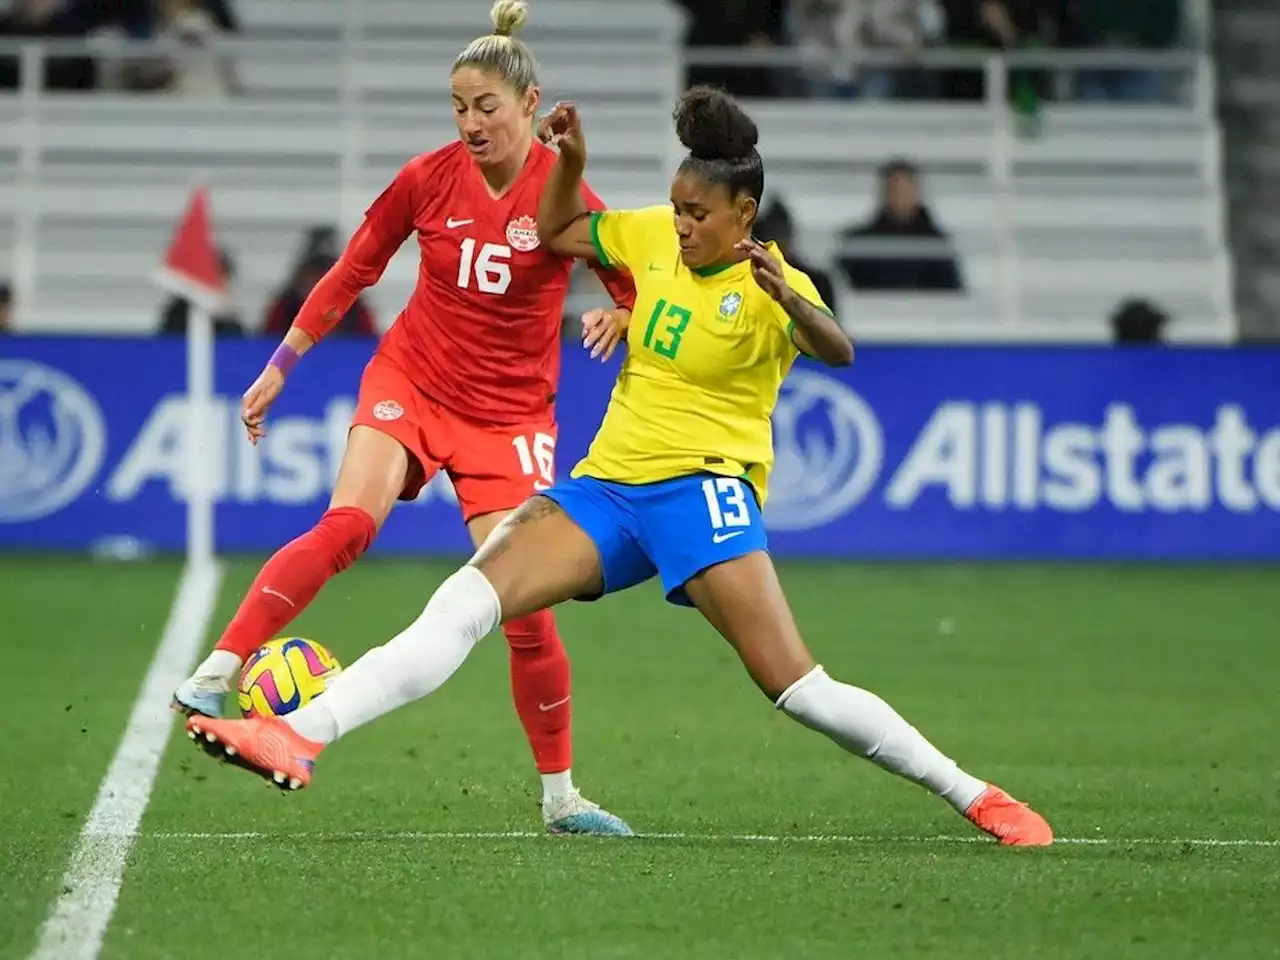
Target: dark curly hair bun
column 712, row 126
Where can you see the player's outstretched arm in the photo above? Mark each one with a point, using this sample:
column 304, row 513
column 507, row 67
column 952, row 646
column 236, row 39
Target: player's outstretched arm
column 562, row 210
column 815, row 331
column 359, row 267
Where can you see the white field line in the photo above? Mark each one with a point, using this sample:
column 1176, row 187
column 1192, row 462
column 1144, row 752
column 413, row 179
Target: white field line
column 868, row 839
column 91, row 885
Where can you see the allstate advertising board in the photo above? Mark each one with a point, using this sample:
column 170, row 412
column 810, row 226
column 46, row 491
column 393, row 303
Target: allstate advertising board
column 960, row 453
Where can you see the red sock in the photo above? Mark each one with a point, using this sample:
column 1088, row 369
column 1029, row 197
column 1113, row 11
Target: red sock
column 540, row 685
column 292, row 578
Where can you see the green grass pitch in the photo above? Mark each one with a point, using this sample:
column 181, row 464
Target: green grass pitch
column 1135, row 707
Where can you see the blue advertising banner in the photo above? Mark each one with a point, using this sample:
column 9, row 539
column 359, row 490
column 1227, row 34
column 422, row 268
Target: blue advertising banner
column 960, row 453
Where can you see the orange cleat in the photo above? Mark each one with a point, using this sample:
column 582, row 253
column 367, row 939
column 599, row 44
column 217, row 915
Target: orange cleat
column 1013, row 823
column 266, row 746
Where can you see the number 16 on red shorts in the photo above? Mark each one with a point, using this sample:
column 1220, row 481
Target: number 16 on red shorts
column 493, row 467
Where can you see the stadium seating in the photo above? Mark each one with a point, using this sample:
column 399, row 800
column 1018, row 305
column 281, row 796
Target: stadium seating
column 1052, row 231
column 1248, row 34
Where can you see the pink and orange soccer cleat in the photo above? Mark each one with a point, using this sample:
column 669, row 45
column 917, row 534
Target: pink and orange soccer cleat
column 266, row 746
column 1013, row 823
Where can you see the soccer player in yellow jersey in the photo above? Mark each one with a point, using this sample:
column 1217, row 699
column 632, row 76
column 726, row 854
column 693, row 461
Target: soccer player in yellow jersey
column 672, row 486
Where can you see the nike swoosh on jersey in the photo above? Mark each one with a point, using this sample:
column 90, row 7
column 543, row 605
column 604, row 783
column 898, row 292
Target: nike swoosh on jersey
column 453, row 224
column 722, row 537
column 547, row 707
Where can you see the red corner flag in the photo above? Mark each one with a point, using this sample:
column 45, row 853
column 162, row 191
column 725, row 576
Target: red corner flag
column 191, row 266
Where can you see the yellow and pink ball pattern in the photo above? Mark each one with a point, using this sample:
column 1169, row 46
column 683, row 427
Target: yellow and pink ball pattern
column 283, row 675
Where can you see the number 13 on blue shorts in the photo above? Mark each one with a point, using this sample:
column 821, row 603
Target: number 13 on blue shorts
column 674, row 529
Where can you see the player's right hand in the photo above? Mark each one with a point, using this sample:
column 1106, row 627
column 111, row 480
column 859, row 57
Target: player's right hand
column 603, row 330
column 562, row 128
column 257, row 401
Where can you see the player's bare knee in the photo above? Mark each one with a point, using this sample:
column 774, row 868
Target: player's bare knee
column 377, row 507
column 374, row 471
column 775, row 684
column 776, row 663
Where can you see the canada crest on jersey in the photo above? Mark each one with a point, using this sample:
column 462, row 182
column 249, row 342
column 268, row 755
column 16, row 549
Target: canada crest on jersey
column 522, row 234
column 730, row 304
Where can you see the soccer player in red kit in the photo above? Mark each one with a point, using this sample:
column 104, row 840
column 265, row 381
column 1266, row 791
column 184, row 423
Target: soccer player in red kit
column 465, row 380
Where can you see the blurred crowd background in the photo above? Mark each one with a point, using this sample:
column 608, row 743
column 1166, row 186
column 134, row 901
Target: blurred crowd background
column 892, row 241
column 840, row 33
column 836, row 33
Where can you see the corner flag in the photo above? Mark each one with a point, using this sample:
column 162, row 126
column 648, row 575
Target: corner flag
column 191, row 267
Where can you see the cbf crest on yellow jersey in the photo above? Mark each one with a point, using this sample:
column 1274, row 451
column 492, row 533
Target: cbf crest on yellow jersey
column 707, row 351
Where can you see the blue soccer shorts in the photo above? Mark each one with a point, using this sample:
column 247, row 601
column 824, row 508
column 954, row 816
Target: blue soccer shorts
column 673, row 529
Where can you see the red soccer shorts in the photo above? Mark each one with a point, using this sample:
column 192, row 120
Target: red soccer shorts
column 493, row 467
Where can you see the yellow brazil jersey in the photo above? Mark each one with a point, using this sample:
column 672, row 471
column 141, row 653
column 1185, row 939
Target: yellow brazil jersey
column 707, row 351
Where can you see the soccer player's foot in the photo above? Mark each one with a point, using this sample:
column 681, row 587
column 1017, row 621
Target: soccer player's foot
column 573, row 813
column 1013, row 823
column 266, row 746
column 201, row 694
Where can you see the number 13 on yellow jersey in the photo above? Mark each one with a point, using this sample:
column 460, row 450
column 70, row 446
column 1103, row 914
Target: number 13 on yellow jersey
column 667, row 341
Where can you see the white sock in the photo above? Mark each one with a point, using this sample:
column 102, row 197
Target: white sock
column 864, row 724
column 413, row 664
column 556, row 785
column 220, row 663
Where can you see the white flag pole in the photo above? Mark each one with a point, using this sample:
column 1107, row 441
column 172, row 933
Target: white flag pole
column 201, row 424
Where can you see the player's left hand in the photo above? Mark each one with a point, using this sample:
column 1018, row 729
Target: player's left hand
column 562, row 128
column 766, row 269
column 603, row 330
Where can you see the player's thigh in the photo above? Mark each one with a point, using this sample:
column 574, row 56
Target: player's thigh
column 386, row 457
column 374, row 470
column 538, row 557
column 743, row 599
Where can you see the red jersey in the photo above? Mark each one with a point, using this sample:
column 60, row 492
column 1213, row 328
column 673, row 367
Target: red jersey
column 481, row 333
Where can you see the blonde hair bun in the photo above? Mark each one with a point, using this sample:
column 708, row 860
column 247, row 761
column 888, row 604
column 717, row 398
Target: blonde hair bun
column 508, row 17
column 501, row 53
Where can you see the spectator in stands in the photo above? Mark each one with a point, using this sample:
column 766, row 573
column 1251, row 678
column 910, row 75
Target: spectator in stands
column 903, row 221
column 1138, row 321
column 839, row 31
column 29, row 19
column 320, row 241
column 357, row 322
column 177, row 310
column 6, row 309
column 205, row 71
column 776, row 224
column 1151, row 25
column 759, row 24
column 991, row 25
column 134, row 19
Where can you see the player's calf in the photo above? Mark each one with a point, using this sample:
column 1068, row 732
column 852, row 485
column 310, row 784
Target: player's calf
column 865, row 725
column 540, row 686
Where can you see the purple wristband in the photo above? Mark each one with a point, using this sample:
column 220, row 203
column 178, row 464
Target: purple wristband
column 284, row 359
